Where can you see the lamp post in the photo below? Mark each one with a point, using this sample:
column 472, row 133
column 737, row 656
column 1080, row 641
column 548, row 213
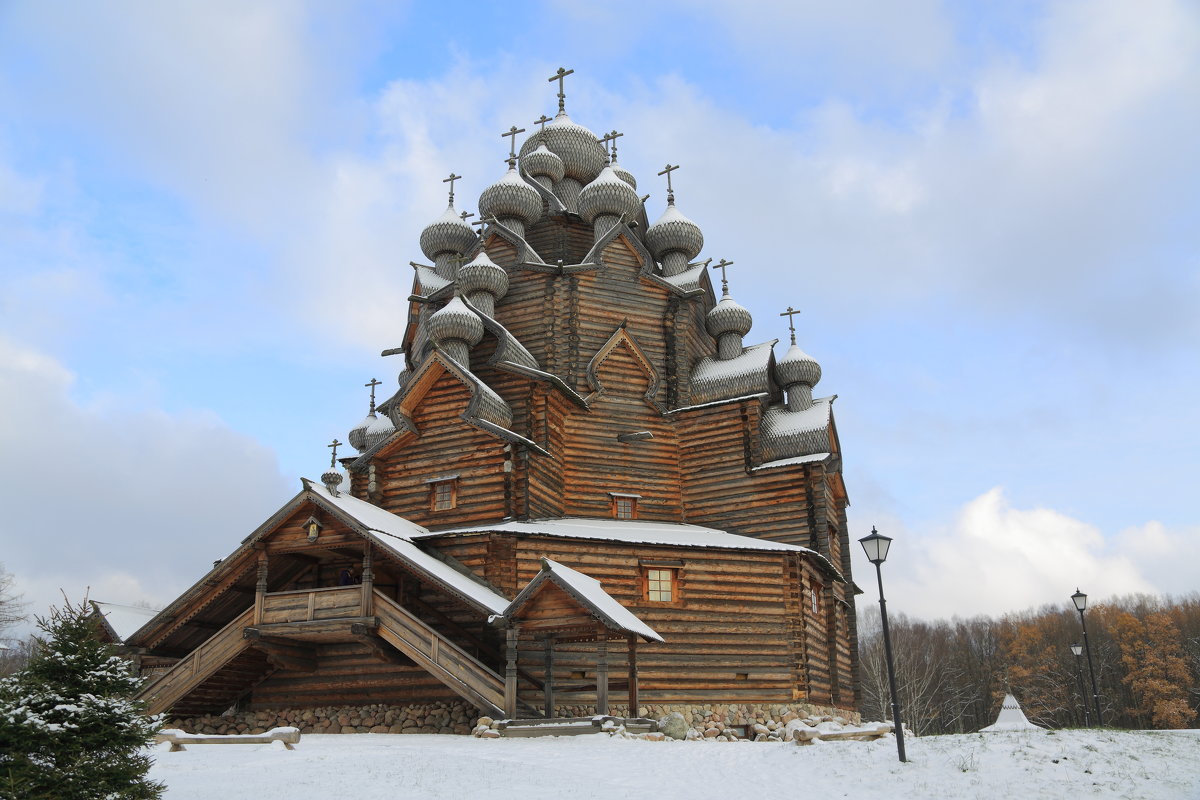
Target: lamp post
column 876, row 546
column 1077, row 649
column 1080, row 600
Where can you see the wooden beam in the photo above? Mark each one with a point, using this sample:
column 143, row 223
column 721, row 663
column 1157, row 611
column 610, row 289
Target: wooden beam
column 510, row 672
column 633, row 676
column 601, row 669
column 548, row 685
column 260, row 588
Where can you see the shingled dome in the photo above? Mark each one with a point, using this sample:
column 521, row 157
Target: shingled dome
column 608, row 195
column 455, row 322
column 674, row 232
column 581, row 152
column 541, row 163
column 483, row 274
column 358, row 434
column 797, row 366
column 379, row 430
column 449, row 233
column 511, row 198
column 728, row 316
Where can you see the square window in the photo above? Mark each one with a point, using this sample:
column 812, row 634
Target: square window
column 442, row 495
column 624, row 507
column 660, row 585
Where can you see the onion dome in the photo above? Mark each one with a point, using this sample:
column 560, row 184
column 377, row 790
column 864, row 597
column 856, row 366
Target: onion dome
column 332, row 479
column 797, row 366
column 581, row 152
column 483, row 274
column 379, row 430
column 511, row 197
column 728, row 316
column 674, row 232
column 541, row 163
column 449, row 233
column 608, row 195
column 455, row 321
column 358, row 434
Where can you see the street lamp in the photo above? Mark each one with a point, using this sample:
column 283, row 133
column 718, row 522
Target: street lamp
column 1077, row 649
column 1080, row 600
column 876, row 546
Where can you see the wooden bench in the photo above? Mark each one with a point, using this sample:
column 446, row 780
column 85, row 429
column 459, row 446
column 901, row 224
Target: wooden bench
column 807, row 735
column 177, row 738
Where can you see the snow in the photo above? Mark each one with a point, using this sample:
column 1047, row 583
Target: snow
column 756, row 395
column 778, row 421
column 589, row 589
column 753, row 360
column 1139, row 765
column 124, row 620
column 1010, row 718
column 675, row 534
column 788, row 462
column 688, row 279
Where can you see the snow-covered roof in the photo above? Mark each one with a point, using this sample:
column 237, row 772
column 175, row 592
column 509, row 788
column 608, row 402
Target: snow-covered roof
column 1010, row 718
column 688, row 279
column 591, row 594
column 749, row 373
column 789, row 434
column 124, row 621
column 400, row 534
column 674, row 534
column 788, row 462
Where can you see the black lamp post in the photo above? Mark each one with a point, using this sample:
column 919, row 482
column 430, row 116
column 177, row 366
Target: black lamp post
column 1080, row 600
column 876, row 545
column 1077, row 649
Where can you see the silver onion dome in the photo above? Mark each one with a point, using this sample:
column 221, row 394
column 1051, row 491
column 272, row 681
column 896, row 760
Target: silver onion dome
column 623, row 174
column 332, row 479
column 358, row 434
column 797, row 366
column 511, row 197
column 608, row 195
column 379, row 430
column 455, row 321
column 449, row 233
column 674, row 232
column 728, row 316
column 483, row 275
column 541, row 163
column 581, row 152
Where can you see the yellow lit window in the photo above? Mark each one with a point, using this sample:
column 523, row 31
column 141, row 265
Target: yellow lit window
column 660, row 585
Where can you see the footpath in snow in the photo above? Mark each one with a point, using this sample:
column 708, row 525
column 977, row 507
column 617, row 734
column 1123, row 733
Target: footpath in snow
column 1158, row 765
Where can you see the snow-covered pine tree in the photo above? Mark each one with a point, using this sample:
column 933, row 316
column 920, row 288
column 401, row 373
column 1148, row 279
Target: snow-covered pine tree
column 69, row 729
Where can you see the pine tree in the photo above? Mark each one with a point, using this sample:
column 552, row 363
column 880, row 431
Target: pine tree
column 68, row 728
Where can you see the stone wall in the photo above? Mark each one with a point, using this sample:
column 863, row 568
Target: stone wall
column 724, row 715
column 442, row 717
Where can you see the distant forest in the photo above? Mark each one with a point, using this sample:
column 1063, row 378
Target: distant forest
column 953, row 675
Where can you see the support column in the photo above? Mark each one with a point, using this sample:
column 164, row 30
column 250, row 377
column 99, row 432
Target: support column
column 601, row 669
column 510, row 672
column 633, row 676
column 548, row 681
column 260, row 588
column 368, row 583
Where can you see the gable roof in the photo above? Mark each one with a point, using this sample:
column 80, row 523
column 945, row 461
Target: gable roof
column 122, row 621
column 588, row 592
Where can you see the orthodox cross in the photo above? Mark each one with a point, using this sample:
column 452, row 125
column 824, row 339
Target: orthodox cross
column 451, row 181
column 481, row 223
column 373, row 384
column 562, row 97
column 604, row 142
column 512, row 145
column 790, row 314
column 542, row 120
column 667, row 171
column 333, row 458
column 724, row 281
column 464, row 214
column 612, row 140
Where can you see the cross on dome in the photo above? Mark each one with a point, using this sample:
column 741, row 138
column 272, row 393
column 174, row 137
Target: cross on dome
column 464, row 214
column 372, row 386
column 724, row 280
column 512, row 142
column 562, row 97
column 612, row 141
column 790, row 314
column 451, row 181
column 542, row 120
column 670, row 191
column 336, row 444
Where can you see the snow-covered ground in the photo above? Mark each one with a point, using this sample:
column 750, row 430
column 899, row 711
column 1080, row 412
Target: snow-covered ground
column 1019, row 764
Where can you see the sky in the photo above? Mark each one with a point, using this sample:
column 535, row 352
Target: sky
column 989, row 215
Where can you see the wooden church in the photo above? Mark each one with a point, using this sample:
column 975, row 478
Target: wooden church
column 587, row 491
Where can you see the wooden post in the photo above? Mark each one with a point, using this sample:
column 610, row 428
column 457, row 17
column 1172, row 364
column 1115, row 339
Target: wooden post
column 633, row 676
column 548, row 682
column 601, row 669
column 510, row 672
column 368, row 583
column 260, row 589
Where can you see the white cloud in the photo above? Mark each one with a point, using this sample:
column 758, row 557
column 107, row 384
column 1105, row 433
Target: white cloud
column 994, row 559
column 134, row 503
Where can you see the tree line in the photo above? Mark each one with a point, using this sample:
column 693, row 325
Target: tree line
column 953, row 674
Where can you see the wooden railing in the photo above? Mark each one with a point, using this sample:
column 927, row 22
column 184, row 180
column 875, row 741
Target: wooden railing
column 309, row 605
column 197, row 666
column 445, row 660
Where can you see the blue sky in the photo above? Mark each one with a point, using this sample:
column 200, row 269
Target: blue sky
column 988, row 214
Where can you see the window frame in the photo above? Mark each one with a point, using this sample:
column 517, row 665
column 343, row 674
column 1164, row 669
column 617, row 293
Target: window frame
column 617, row 498
column 674, row 569
column 436, row 487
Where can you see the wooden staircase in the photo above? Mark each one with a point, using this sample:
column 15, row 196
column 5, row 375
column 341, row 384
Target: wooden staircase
column 443, row 659
column 215, row 663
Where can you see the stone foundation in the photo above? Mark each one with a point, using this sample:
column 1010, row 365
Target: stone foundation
column 442, row 717
column 702, row 718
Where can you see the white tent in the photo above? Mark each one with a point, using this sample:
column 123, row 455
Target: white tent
column 1010, row 718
